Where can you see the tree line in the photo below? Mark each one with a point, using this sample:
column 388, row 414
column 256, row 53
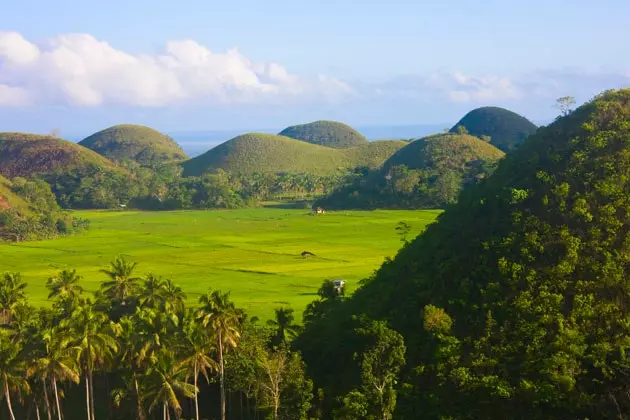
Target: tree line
column 136, row 349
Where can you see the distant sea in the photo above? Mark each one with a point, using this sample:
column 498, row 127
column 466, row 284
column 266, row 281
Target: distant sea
column 197, row 142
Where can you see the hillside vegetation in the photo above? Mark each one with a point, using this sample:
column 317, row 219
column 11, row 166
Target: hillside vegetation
column 136, row 143
column 27, row 155
column 506, row 129
column 516, row 300
column 8, row 198
column 269, row 153
column 429, row 172
column 326, row 133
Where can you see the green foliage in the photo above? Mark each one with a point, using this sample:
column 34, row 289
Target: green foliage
column 30, row 212
column 506, row 129
column 326, row 133
column 515, row 301
column 267, row 153
column 135, row 143
column 427, row 173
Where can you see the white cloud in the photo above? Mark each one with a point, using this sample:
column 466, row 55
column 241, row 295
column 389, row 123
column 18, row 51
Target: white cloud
column 77, row 69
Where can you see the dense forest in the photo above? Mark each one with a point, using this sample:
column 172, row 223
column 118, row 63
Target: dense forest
column 514, row 304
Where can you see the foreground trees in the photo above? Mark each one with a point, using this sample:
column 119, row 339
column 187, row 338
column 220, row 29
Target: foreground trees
column 135, row 350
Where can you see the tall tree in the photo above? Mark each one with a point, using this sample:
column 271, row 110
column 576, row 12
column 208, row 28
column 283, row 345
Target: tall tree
column 12, row 370
column 65, row 285
column 95, row 344
column 221, row 319
column 284, row 326
column 196, row 351
column 122, row 283
column 58, row 362
column 165, row 381
column 12, row 292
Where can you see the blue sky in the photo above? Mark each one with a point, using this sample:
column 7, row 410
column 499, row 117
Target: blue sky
column 79, row 66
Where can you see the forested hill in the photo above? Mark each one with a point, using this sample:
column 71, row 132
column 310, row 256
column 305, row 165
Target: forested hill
column 514, row 304
column 426, row 173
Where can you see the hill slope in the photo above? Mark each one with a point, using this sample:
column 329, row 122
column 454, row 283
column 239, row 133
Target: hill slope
column 9, row 199
column 515, row 301
column 326, row 133
column 134, row 142
column 506, row 129
column 426, row 173
column 269, row 153
column 28, row 155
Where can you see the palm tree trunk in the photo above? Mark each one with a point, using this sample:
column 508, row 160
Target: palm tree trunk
column 138, row 399
column 87, row 396
column 37, row 412
column 92, row 395
column 54, row 380
column 221, row 376
column 164, row 410
column 48, row 411
column 196, row 399
column 8, row 397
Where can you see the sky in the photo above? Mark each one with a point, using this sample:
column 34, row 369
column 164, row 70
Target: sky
column 78, row 66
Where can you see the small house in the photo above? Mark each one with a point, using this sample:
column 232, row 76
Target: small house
column 320, row 210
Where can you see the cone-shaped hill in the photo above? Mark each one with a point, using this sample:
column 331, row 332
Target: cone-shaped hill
column 269, row 153
column 506, row 129
column 515, row 303
column 326, row 133
column 134, row 142
column 427, row 173
column 28, row 155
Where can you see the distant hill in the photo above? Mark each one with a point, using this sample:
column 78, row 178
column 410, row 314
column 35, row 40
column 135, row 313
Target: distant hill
column 134, row 142
column 326, row 133
column 506, row 129
column 270, row 153
column 28, row 155
column 426, row 173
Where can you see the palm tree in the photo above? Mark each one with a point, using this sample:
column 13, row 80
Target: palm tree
column 95, row 344
column 58, row 363
column 122, row 284
column 196, row 355
column 12, row 370
column 165, row 381
column 286, row 330
column 65, row 285
column 151, row 294
column 219, row 316
column 174, row 297
column 12, row 292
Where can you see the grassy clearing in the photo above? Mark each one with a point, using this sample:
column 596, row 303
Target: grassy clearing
column 253, row 253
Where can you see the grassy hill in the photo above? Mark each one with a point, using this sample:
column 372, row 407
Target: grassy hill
column 269, row 153
column 134, row 142
column 453, row 151
column 28, row 155
column 426, row 173
column 326, row 133
column 506, row 129
column 518, row 295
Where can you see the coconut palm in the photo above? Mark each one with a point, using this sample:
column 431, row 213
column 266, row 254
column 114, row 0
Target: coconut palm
column 58, row 363
column 165, row 381
column 93, row 338
column 12, row 292
column 122, row 283
column 220, row 319
column 284, row 325
column 12, row 370
column 65, row 285
column 174, row 297
column 196, row 358
column 151, row 294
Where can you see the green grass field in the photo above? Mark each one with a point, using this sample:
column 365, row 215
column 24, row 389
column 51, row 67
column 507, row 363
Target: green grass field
column 253, row 253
